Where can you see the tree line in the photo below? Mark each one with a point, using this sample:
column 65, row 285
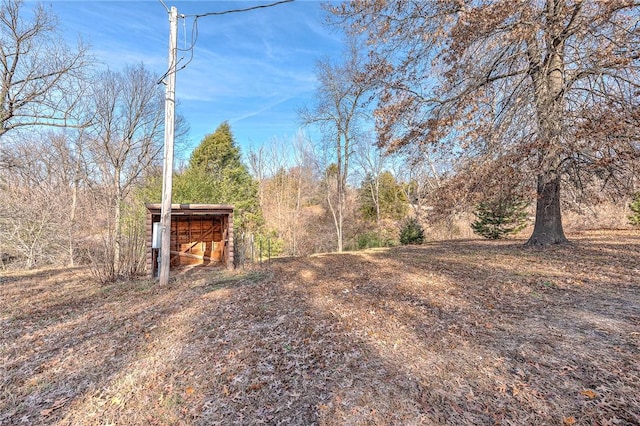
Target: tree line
column 525, row 97
column 77, row 141
column 434, row 109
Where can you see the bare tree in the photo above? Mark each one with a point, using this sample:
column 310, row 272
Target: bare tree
column 41, row 78
column 123, row 143
column 288, row 185
column 40, row 200
column 417, row 169
column 341, row 103
column 538, row 89
column 372, row 162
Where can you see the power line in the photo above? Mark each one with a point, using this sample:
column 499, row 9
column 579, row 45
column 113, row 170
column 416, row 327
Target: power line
column 194, row 30
column 167, row 171
column 224, row 12
column 165, row 6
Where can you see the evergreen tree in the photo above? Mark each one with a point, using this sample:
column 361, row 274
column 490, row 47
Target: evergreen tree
column 496, row 219
column 217, row 152
column 216, row 175
column 634, row 219
column 411, row 232
column 382, row 198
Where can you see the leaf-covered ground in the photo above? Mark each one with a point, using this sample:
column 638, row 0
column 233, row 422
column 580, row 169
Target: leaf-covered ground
column 464, row 332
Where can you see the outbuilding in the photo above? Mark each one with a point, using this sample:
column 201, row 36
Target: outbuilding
column 201, row 234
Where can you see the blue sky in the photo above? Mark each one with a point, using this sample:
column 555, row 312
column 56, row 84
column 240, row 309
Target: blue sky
column 252, row 69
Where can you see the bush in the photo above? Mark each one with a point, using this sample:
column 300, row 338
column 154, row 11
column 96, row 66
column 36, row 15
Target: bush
column 634, row 219
column 368, row 240
column 411, row 232
column 374, row 239
column 497, row 219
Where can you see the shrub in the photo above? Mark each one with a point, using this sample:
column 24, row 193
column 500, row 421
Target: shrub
column 497, row 219
column 374, row 239
column 368, row 240
column 634, row 219
column 411, row 232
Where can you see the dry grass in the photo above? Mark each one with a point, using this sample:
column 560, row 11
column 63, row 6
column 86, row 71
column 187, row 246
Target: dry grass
column 467, row 332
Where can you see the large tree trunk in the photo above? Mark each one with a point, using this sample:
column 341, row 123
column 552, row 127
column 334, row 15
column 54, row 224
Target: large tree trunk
column 548, row 227
column 547, row 71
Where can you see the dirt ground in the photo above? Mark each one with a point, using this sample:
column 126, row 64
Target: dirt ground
column 461, row 333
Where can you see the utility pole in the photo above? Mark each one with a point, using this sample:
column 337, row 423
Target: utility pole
column 167, row 170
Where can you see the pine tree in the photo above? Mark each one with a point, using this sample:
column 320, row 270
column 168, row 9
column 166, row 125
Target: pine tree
column 411, row 232
column 382, row 197
column 634, row 219
column 497, row 219
column 216, row 175
column 217, row 152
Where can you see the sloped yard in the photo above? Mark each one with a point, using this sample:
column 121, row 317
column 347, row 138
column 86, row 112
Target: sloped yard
column 461, row 332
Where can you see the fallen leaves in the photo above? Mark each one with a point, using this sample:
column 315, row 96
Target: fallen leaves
column 59, row 403
column 438, row 334
column 117, row 400
column 589, row 393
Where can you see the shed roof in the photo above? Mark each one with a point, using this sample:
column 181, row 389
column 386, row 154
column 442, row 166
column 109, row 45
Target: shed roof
column 187, row 209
